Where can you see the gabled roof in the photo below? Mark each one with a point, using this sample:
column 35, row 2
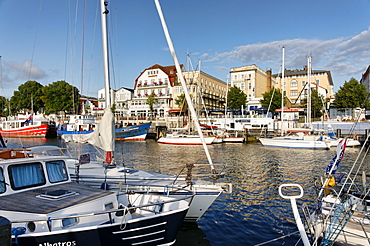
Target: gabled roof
column 169, row 70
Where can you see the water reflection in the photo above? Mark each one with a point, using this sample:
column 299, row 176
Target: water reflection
column 254, row 212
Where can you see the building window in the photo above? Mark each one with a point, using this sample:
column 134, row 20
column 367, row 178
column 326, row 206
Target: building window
column 249, row 86
column 318, row 82
column 303, row 83
column 293, row 93
column 294, row 83
column 235, row 76
column 242, row 76
column 242, row 86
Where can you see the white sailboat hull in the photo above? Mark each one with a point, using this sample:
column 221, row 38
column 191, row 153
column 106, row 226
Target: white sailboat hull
column 185, row 140
column 294, row 143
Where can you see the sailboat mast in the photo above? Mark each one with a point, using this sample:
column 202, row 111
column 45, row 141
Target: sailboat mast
column 282, row 87
column 104, row 12
column 309, row 92
column 185, row 89
column 103, row 5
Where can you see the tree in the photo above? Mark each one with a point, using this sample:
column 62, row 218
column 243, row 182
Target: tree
column 4, row 106
column 351, row 95
column 236, row 98
column 28, row 96
column 151, row 100
column 60, row 96
column 181, row 102
column 317, row 103
column 273, row 96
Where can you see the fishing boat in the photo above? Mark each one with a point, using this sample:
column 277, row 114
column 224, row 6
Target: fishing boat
column 80, row 125
column 76, row 126
column 340, row 213
column 25, row 128
column 132, row 133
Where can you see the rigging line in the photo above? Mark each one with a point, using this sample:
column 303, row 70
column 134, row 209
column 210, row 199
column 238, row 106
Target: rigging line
column 117, row 42
column 82, row 47
column 67, row 40
column 93, row 42
column 34, row 42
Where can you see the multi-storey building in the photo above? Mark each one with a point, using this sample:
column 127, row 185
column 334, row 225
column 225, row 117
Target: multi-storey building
column 253, row 81
column 296, row 84
column 156, row 80
column 120, row 98
column 207, row 92
column 365, row 79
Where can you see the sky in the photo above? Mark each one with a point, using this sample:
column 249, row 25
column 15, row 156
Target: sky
column 53, row 40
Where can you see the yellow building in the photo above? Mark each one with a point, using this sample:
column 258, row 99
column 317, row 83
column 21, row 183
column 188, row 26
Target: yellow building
column 253, row 81
column 296, row 84
column 206, row 91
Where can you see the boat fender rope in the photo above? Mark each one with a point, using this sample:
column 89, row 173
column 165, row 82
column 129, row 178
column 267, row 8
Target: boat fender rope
column 124, row 219
column 18, row 231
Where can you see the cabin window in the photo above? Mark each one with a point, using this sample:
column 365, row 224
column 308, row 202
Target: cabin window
column 67, row 222
column 2, row 181
column 56, row 171
column 26, row 175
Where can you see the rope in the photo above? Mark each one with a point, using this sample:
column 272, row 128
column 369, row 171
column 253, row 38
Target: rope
column 278, row 238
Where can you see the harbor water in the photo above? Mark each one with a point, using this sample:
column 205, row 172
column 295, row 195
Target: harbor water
column 253, row 213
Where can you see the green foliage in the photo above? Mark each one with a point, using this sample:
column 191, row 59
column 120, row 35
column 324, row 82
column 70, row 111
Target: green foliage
column 317, row 105
column 180, row 101
column 113, row 108
column 4, row 106
column 236, row 98
column 351, row 95
column 151, row 100
column 60, row 96
column 27, row 94
column 273, row 95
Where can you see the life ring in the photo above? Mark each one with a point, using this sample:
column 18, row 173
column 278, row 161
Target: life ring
column 64, row 127
column 76, row 121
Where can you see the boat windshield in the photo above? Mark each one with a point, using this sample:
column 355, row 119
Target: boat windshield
column 26, row 175
column 56, row 171
column 2, row 181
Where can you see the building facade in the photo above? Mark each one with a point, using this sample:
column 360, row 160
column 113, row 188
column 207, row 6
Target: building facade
column 365, row 79
column 253, row 81
column 206, row 91
column 156, row 80
column 296, row 84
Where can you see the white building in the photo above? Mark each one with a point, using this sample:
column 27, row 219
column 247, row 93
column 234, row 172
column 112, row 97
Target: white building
column 156, row 80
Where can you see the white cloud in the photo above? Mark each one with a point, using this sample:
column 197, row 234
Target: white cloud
column 15, row 71
column 347, row 57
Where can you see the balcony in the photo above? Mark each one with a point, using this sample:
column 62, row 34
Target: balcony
column 154, row 84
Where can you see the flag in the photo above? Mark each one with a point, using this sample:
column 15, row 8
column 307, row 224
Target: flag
column 29, row 119
column 334, row 163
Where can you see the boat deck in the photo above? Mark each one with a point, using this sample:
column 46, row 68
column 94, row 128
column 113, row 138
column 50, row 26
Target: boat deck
column 32, row 202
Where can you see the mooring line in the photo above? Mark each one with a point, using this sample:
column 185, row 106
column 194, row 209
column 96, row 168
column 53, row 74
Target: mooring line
column 273, row 240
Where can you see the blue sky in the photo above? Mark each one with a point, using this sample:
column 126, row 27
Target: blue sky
column 43, row 40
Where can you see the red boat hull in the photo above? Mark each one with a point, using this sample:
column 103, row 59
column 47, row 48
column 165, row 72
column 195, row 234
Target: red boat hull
column 26, row 132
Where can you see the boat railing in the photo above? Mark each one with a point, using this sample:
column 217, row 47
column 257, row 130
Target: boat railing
column 188, row 196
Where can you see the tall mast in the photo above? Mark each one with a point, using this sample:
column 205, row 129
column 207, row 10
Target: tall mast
column 103, row 5
column 282, row 87
column 309, row 92
column 104, row 12
column 184, row 87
